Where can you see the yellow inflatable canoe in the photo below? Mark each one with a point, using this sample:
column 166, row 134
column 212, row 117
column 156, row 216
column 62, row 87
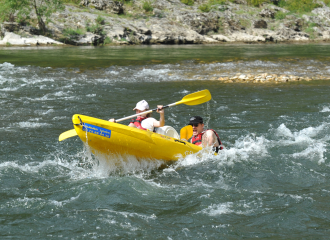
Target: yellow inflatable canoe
column 113, row 138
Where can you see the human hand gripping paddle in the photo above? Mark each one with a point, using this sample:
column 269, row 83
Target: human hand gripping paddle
column 195, row 98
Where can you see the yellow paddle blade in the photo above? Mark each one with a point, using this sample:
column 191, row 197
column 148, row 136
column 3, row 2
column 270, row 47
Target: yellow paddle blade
column 67, row 134
column 186, row 132
column 196, row 98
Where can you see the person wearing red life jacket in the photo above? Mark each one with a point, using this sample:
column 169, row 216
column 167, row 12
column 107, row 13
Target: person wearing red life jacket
column 145, row 121
column 204, row 137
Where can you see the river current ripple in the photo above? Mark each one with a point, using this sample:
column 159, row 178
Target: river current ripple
column 270, row 181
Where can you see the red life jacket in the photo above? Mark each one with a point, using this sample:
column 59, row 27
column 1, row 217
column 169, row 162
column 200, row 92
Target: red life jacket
column 197, row 140
column 137, row 122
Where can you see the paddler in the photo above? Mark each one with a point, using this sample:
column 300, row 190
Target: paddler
column 145, row 121
column 206, row 137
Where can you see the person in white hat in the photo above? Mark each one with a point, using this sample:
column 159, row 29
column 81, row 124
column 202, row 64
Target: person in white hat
column 145, row 121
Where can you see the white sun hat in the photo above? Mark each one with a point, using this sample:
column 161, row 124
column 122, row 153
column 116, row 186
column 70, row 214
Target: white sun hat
column 142, row 105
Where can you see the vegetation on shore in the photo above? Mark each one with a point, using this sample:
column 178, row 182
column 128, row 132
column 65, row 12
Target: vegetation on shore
column 19, row 11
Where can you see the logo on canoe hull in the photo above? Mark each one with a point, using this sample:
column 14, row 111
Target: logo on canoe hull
column 97, row 130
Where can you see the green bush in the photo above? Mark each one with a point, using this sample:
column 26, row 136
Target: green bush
column 204, row 7
column 214, row 2
column 188, row 2
column 256, row 3
column 70, row 31
column 75, row 2
column 299, row 6
column 97, row 29
column 310, row 30
column 280, row 15
column 147, row 6
column 327, row 2
column 100, row 20
column 107, row 40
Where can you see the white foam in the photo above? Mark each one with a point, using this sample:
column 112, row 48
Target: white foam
column 32, row 124
column 32, row 167
column 87, row 165
column 156, row 75
column 314, row 152
column 246, row 147
column 6, row 65
column 222, row 108
column 9, row 89
column 219, row 209
column 123, row 164
column 64, row 202
column 325, row 109
column 314, row 147
column 282, row 130
column 44, row 112
column 305, row 135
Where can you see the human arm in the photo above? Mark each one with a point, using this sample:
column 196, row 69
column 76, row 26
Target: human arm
column 210, row 139
column 132, row 125
column 161, row 121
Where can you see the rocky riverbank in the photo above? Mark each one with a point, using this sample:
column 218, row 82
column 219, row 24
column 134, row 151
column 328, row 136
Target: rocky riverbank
column 96, row 22
column 266, row 78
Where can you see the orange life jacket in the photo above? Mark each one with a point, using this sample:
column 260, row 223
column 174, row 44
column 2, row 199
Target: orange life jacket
column 137, row 122
column 197, row 140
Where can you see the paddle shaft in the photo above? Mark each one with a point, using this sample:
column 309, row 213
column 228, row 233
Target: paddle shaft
column 141, row 113
column 190, row 99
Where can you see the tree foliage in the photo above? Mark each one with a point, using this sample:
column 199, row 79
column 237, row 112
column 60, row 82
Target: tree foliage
column 20, row 9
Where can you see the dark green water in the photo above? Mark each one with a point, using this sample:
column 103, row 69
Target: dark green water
column 271, row 181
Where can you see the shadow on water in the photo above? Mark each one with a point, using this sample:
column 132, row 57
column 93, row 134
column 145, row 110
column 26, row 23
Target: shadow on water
column 103, row 57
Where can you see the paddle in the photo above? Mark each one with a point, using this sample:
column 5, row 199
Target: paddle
column 186, row 132
column 67, row 134
column 191, row 99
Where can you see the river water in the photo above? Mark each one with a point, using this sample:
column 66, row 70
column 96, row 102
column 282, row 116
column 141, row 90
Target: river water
column 271, row 180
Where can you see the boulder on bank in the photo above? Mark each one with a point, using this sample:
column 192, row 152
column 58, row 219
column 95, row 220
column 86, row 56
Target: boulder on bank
column 15, row 39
